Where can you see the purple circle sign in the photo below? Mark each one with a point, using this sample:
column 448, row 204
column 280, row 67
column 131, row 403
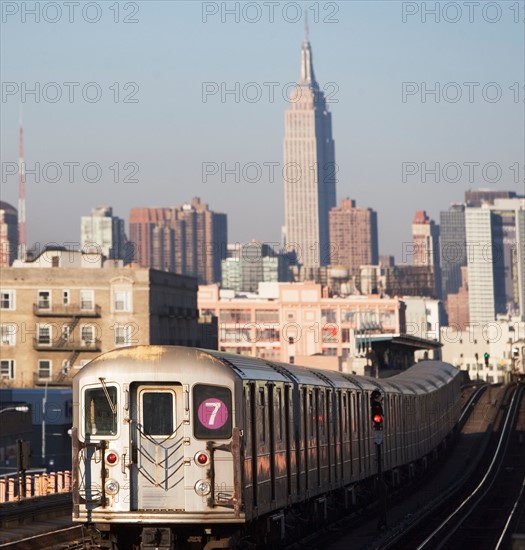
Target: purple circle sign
column 213, row 413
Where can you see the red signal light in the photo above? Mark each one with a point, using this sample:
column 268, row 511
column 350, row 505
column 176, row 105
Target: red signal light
column 111, row 458
column 377, row 418
column 202, row 458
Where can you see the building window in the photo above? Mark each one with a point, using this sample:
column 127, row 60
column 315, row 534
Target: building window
column 122, row 300
column 87, row 334
column 7, row 369
column 87, row 299
column 7, row 334
column 7, row 299
column 267, row 316
column 44, row 299
column 123, row 335
column 66, row 365
column 44, row 368
column 235, row 316
column 328, row 316
column 65, row 297
column 44, row 334
column 66, row 332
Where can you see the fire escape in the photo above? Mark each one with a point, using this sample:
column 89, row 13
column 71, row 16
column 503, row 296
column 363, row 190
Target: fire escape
column 70, row 316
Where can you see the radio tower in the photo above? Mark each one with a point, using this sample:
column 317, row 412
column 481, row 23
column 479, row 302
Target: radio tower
column 22, row 238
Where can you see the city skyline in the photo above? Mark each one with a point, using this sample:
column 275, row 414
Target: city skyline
column 373, row 67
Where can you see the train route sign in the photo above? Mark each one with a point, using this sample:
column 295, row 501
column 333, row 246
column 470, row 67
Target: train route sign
column 213, row 413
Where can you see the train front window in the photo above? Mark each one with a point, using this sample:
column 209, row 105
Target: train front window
column 157, row 413
column 101, row 411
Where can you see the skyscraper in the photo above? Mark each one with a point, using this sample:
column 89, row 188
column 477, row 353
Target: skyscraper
column 309, row 168
column 453, row 248
column 189, row 239
column 353, row 236
column 478, row 229
column 496, row 261
column 103, row 233
column 425, row 239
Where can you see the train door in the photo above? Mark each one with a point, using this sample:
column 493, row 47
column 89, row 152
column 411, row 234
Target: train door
column 157, row 448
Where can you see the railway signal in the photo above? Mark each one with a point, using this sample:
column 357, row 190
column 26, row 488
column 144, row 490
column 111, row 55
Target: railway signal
column 376, row 409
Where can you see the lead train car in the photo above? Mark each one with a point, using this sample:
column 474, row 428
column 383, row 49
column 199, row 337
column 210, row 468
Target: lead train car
column 179, row 447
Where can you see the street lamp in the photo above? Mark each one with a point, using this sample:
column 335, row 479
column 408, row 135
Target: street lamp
column 17, row 408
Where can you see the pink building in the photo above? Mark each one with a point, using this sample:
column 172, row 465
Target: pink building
column 294, row 319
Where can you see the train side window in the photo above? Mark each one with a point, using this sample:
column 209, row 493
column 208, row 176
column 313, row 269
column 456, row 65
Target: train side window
column 312, row 412
column 279, row 413
column 322, row 411
column 345, row 414
column 101, row 411
column 212, row 412
column 157, row 413
column 262, row 409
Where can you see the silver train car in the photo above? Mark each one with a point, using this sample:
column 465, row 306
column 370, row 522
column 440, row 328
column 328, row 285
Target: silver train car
column 179, row 447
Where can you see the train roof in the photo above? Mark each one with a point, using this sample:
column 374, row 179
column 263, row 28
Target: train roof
column 165, row 363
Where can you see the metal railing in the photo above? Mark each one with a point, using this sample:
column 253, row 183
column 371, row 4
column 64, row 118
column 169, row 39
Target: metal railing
column 14, row 487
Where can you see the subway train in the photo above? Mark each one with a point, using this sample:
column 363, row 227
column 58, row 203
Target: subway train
column 177, row 447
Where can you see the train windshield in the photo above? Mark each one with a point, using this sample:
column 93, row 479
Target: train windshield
column 157, row 413
column 101, row 411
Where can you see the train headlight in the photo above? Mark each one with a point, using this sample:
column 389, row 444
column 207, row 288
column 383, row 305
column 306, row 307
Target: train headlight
column 201, row 458
column 112, row 487
column 202, row 488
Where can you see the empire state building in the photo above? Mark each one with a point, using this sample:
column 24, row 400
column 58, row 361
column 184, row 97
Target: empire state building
column 309, row 169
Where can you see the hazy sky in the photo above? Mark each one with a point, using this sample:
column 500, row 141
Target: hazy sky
column 151, row 95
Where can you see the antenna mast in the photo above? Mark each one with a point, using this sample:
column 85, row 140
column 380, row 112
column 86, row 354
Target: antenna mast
column 22, row 236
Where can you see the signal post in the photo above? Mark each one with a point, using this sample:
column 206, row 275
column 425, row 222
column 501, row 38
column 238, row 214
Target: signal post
column 376, row 410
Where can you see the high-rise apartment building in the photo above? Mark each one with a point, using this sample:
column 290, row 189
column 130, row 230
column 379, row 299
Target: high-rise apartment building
column 353, row 236
column 8, row 234
column 104, row 234
column 496, row 263
column 425, row 243
column 252, row 263
column 457, row 304
column 478, row 229
column 189, row 239
column 453, row 249
column 309, row 168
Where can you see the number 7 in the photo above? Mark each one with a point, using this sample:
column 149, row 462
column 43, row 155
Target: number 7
column 215, row 406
